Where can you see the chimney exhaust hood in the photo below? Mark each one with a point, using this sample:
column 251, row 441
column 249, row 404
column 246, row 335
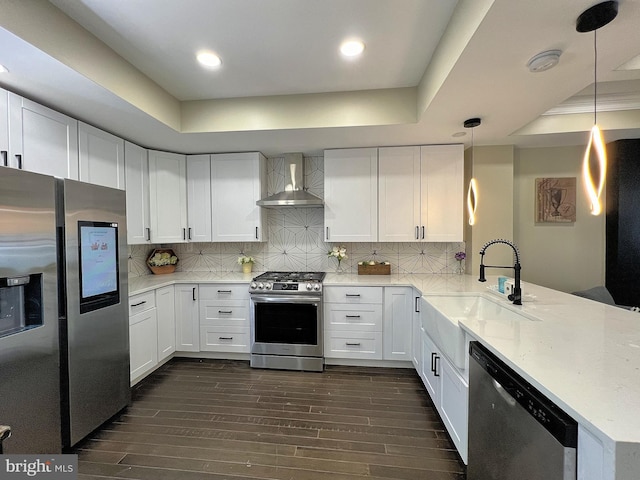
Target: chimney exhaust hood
column 294, row 194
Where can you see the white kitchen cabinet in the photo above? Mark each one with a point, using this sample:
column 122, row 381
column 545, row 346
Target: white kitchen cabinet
column 430, row 368
column 143, row 332
column 167, row 197
column 199, row 198
column 224, row 318
column 416, row 333
column 42, row 140
column 353, row 322
column 591, row 456
column 187, row 318
column 396, row 323
column 4, row 128
column 237, row 182
column 351, row 195
column 165, row 307
column 101, row 157
column 421, row 193
column 137, row 188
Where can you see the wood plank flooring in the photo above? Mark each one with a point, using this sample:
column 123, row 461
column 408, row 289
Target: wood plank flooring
column 218, row 419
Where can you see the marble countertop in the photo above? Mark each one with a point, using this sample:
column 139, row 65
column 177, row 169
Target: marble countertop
column 583, row 355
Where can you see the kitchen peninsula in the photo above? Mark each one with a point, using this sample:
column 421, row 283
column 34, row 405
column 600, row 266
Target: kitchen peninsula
column 583, row 355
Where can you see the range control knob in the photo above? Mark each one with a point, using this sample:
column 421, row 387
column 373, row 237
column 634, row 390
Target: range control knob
column 316, row 287
column 267, row 286
column 260, row 286
column 309, row 286
column 253, row 285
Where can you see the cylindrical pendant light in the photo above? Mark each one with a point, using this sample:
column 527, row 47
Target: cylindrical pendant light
column 472, row 191
column 594, row 163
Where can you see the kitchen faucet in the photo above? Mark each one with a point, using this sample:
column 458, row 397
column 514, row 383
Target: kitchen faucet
column 516, row 296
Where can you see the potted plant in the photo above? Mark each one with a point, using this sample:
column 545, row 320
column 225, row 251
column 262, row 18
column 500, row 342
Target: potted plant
column 246, row 262
column 162, row 261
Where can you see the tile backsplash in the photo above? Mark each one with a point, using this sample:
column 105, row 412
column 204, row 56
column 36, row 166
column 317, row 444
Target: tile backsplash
column 295, row 241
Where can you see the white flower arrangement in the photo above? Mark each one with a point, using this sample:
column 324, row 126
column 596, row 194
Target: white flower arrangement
column 160, row 259
column 339, row 252
column 245, row 259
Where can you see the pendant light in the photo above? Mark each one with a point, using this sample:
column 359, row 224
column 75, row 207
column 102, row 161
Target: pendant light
column 594, row 163
column 472, row 191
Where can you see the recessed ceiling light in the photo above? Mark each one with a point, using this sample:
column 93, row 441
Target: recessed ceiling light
column 3, row 69
column 209, row 59
column 351, row 48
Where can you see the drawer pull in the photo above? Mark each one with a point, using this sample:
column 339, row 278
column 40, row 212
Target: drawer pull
column 225, row 338
column 225, row 311
column 138, row 304
column 353, row 294
column 224, row 291
column 350, row 344
column 353, row 316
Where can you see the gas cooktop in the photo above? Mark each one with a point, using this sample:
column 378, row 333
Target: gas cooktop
column 288, row 282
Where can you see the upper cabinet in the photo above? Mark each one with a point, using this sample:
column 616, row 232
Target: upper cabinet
column 421, row 193
column 167, row 197
column 41, row 140
column 4, row 128
column 199, row 198
column 351, row 195
column 236, row 186
column 137, row 187
column 101, row 157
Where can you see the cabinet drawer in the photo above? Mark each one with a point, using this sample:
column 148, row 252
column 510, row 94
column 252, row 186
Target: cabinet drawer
column 366, row 345
column 353, row 295
column 141, row 302
column 361, row 318
column 224, row 339
column 234, row 313
column 237, row 291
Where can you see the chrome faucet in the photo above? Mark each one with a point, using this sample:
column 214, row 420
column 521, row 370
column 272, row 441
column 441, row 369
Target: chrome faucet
column 516, row 296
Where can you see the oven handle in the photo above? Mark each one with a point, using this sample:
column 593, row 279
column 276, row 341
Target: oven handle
column 285, row 299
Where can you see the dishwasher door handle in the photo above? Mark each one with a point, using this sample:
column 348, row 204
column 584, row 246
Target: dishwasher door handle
column 503, row 393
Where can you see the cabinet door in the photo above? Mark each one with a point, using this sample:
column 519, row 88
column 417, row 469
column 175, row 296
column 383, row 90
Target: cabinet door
column 236, row 186
column 351, row 195
column 101, row 157
column 199, row 198
column 143, row 347
column 430, row 368
column 4, row 128
column 187, row 318
column 399, row 194
column 42, row 140
column 137, row 181
column 442, row 184
column 396, row 323
column 167, row 197
column 416, row 336
column 454, row 406
column 165, row 305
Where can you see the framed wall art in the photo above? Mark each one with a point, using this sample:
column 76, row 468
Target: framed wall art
column 556, row 200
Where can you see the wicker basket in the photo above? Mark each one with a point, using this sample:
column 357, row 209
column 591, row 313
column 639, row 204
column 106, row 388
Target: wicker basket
column 378, row 269
column 164, row 269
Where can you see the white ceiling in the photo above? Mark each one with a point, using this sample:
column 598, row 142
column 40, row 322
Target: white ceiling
column 428, row 65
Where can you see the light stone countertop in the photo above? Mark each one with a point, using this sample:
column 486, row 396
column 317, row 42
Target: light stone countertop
column 583, row 355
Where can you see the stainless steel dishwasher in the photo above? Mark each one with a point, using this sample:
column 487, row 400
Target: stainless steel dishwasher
column 514, row 430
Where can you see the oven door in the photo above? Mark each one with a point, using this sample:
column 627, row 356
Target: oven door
column 286, row 325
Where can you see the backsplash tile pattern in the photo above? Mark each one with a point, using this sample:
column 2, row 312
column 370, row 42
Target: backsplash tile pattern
column 295, row 241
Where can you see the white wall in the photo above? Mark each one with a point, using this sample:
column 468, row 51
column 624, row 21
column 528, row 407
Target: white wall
column 565, row 257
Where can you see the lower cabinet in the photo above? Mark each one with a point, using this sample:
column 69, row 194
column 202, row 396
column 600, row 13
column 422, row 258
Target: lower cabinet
column 165, row 306
column 396, row 323
column 224, row 318
column 143, row 334
column 187, row 318
column 448, row 389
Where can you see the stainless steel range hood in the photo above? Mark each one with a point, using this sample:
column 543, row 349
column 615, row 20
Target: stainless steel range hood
column 294, row 194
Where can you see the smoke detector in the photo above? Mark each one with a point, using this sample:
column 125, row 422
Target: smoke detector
column 544, row 61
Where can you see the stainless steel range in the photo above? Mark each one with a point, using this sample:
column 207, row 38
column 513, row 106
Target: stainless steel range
column 286, row 321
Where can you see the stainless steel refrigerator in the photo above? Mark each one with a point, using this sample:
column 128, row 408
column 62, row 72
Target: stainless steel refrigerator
column 64, row 347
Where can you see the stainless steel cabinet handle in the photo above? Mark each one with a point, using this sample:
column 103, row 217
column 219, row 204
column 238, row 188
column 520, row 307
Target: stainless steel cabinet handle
column 434, row 360
column 225, row 338
column 327, row 233
column 224, row 291
column 19, row 159
column 139, row 303
column 256, row 233
column 5, row 160
column 352, row 294
column 353, row 316
column 225, row 311
column 194, row 294
column 148, row 234
column 417, row 232
column 184, row 233
column 433, row 355
column 423, row 232
column 189, row 233
column 417, row 304
column 350, row 344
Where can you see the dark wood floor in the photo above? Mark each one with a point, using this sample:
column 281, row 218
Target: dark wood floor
column 218, row 419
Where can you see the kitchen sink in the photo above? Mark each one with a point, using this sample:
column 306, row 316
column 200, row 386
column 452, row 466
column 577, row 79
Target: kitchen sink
column 440, row 320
